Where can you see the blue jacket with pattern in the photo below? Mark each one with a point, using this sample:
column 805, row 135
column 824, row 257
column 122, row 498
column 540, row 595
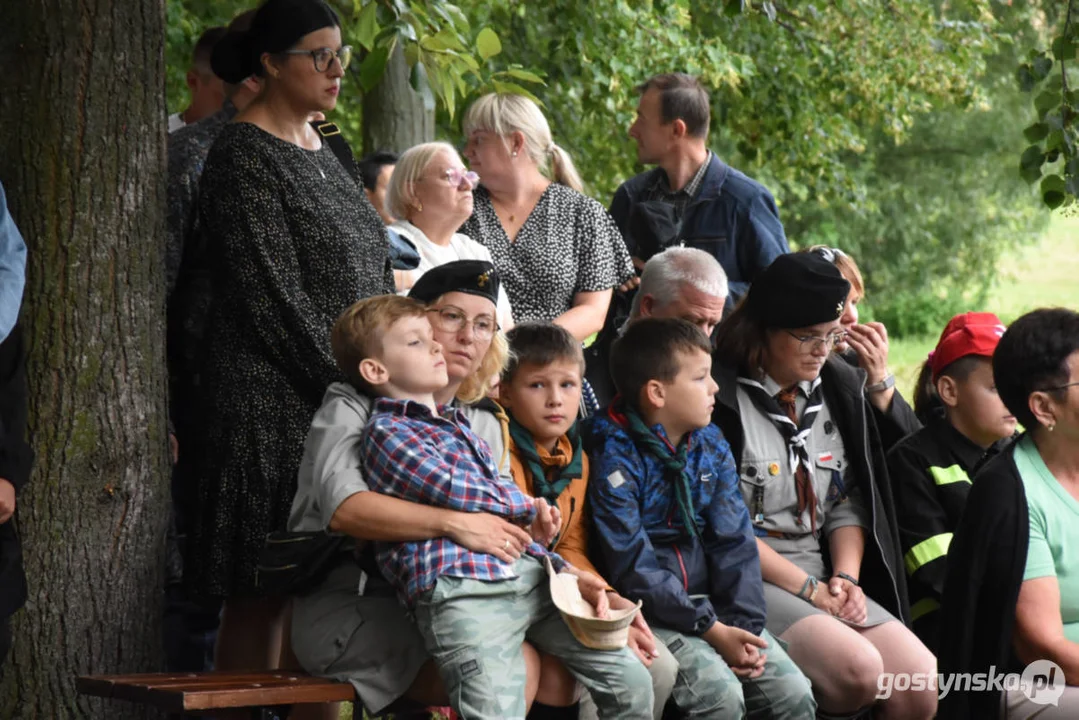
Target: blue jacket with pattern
column 687, row 583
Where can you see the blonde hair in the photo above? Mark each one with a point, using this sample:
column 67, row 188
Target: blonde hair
column 410, row 167
column 357, row 333
column 476, row 386
column 504, row 114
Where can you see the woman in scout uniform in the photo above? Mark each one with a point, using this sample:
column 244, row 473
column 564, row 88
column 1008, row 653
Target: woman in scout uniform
column 812, row 473
column 931, row 470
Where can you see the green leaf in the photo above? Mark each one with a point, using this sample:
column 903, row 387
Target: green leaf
column 1054, row 142
column 1046, row 102
column 372, row 67
column 1031, row 175
column 524, row 75
column 1041, row 67
column 1033, row 157
column 487, row 44
column 508, row 88
column 367, row 25
column 1024, row 75
column 1036, row 132
column 1053, row 199
column 1063, row 48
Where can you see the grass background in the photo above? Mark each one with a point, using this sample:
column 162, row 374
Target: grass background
column 1042, row 275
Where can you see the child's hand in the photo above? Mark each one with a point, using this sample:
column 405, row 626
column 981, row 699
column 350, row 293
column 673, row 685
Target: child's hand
column 545, row 527
column 739, row 648
column 641, row 640
column 593, row 590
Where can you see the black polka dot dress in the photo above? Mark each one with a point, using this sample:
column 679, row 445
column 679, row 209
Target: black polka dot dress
column 292, row 242
column 568, row 244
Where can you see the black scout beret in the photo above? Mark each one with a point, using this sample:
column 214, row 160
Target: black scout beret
column 475, row 277
column 276, row 26
column 798, row 290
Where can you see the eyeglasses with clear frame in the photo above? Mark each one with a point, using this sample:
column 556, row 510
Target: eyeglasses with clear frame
column 451, row 319
column 457, row 176
column 322, row 57
column 809, row 344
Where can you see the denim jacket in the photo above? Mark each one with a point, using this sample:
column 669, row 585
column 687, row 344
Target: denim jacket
column 734, row 218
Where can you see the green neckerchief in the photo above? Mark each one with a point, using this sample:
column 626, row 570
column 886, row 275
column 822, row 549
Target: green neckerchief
column 541, row 486
column 674, row 463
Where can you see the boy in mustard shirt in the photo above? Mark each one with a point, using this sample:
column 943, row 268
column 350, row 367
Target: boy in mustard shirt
column 541, row 391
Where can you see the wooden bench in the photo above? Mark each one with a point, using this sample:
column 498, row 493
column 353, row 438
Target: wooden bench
column 269, row 695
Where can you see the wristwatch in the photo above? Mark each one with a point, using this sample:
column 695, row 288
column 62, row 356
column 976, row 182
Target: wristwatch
column 887, row 382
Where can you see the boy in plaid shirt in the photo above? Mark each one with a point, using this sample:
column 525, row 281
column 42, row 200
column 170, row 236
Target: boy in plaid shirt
column 473, row 609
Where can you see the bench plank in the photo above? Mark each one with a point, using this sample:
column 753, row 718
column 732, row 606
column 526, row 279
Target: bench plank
column 179, row 692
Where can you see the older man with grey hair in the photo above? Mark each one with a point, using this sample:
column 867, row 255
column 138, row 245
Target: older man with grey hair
column 680, row 282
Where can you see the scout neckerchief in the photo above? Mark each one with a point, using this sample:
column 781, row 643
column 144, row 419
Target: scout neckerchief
column 674, row 460
column 567, row 463
column 783, row 414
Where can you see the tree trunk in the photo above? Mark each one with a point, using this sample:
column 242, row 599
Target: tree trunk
column 82, row 124
column 396, row 117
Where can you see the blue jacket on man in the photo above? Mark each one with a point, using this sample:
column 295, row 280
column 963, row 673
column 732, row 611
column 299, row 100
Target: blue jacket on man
column 733, row 217
column 687, row 583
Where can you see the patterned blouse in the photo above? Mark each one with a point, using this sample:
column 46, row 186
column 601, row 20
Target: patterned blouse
column 568, row 244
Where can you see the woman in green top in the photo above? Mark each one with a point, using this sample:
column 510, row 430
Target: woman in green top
column 1039, row 369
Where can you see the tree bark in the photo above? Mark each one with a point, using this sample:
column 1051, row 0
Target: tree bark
column 396, row 117
column 82, row 130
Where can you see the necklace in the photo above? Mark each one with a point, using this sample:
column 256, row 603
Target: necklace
column 310, row 159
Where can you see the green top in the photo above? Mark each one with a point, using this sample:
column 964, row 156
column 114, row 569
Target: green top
column 1054, row 532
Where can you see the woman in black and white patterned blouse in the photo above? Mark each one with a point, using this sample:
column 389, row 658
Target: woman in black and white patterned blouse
column 559, row 253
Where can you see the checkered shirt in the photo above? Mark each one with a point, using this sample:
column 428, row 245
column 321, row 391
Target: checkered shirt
column 414, row 454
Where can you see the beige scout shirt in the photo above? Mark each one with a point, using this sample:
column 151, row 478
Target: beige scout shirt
column 767, row 479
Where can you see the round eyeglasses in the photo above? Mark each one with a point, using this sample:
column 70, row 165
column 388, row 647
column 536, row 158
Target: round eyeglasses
column 809, row 344
column 452, row 319
column 324, row 56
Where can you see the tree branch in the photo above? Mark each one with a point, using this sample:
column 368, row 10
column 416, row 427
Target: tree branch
column 1064, row 41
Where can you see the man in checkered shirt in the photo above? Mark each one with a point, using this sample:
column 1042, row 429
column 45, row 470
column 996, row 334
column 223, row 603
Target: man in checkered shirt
column 473, row 609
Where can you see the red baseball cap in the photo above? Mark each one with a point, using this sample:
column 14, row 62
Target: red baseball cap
column 971, row 333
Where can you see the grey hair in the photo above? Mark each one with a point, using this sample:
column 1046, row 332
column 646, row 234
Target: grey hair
column 666, row 272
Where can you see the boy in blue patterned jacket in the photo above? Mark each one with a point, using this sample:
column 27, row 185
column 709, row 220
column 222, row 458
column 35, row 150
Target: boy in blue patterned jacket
column 672, row 530
column 473, row 609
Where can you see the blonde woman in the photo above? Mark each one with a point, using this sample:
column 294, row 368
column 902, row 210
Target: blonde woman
column 431, row 191
column 559, row 253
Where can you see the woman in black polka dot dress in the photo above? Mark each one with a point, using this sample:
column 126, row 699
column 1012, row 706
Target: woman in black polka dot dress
column 559, row 253
column 294, row 242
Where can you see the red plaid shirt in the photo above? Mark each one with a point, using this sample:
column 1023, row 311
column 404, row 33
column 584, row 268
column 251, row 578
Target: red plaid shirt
column 414, row 454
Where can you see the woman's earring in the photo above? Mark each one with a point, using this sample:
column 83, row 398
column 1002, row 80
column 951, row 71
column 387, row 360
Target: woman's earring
column 1050, row 426
column 514, row 153
column 419, row 207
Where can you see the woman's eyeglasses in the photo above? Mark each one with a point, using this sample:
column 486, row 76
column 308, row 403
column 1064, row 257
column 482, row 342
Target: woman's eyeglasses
column 456, row 176
column 451, row 319
column 808, row 344
column 324, row 56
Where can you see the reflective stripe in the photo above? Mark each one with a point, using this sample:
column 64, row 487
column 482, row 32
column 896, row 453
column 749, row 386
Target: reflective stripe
column 927, row 551
column 949, row 475
column 922, row 608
